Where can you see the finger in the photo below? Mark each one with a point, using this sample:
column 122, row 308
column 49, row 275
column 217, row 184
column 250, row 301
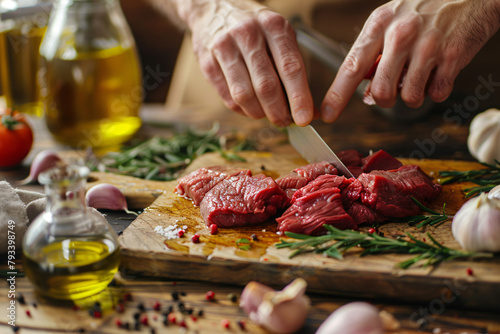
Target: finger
column 213, row 73
column 289, row 64
column 238, row 80
column 398, row 41
column 419, row 71
column 265, row 81
column 441, row 84
column 356, row 65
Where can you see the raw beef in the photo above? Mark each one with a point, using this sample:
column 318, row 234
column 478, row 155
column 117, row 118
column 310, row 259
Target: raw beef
column 389, row 192
column 303, row 175
column 380, row 160
column 195, row 185
column 243, row 201
column 308, row 213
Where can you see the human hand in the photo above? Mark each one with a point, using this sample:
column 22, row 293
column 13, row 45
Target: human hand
column 424, row 45
column 250, row 55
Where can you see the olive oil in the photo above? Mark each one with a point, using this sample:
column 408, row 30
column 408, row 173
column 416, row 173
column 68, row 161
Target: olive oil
column 73, row 268
column 19, row 66
column 91, row 98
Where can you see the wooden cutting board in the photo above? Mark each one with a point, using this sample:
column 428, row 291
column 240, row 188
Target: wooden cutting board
column 218, row 259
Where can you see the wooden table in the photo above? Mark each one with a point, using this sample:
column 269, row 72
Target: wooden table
column 37, row 315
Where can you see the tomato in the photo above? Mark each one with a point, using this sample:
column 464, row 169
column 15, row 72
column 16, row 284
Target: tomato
column 16, row 138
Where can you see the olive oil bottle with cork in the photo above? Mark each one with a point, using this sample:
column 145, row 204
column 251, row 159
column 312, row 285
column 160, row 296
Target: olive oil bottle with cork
column 69, row 251
column 90, row 79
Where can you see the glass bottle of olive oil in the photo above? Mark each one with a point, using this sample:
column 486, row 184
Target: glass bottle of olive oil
column 90, row 79
column 70, row 251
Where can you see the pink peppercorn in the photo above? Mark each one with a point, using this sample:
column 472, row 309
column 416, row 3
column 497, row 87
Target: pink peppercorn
column 470, row 272
column 225, row 323
column 210, row 295
column 157, row 306
column 28, row 313
column 171, row 317
column 118, row 323
column 180, row 233
column 214, row 229
column 145, row 320
column 183, row 324
column 195, row 239
column 372, row 230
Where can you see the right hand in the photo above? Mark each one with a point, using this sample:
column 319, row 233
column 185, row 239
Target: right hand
column 250, row 55
column 432, row 39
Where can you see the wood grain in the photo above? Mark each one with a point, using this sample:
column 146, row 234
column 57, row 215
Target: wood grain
column 217, row 259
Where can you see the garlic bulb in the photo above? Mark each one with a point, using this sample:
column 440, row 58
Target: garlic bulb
column 484, row 136
column 282, row 311
column 476, row 226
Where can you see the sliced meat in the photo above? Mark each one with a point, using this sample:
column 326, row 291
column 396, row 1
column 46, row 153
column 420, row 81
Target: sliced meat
column 303, row 175
column 323, row 182
column 380, row 160
column 308, row 213
column 196, row 184
column 389, row 192
column 243, row 201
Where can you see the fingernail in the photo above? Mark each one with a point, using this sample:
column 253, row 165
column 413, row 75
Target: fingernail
column 302, row 117
column 327, row 114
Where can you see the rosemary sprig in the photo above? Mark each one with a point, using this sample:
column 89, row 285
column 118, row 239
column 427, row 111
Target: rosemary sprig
column 434, row 219
column 163, row 158
column 432, row 253
column 486, row 178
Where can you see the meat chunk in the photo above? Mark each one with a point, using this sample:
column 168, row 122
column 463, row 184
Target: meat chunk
column 308, row 213
column 242, row 201
column 380, row 160
column 303, row 175
column 389, row 192
column 323, row 182
column 196, row 184
column 363, row 214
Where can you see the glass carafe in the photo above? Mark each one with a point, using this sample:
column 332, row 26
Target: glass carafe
column 22, row 25
column 90, row 79
column 69, row 251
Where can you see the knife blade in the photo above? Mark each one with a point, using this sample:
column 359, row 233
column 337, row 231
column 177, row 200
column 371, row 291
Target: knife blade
column 313, row 148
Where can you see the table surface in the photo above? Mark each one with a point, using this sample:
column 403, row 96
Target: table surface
column 360, row 128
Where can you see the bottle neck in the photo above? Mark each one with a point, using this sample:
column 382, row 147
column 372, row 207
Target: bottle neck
column 64, row 201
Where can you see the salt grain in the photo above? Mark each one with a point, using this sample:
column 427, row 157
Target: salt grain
column 169, row 232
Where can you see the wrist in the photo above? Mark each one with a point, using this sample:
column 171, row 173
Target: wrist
column 189, row 11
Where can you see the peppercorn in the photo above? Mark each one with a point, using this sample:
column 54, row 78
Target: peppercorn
column 136, row 316
column 213, row 229
column 126, row 326
column 183, row 293
column 157, row 306
column 200, row 313
column 141, row 307
column 371, row 230
column 225, row 323
column 210, row 295
column 127, row 297
column 152, row 331
column 171, row 317
column 193, row 318
column 175, row 296
column 120, row 308
column 170, row 309
column 137, row 326
column 183, row 324
column 254, row 237
column 21, row 299
column 232, row 297
column 28, row 313
column 195, row 239
column 35, row 305
column 241, row 324
column 180, row 233
column 145, row 320
column 470, row 272
column 118, row 323
column 15, row 329
column 97, row 314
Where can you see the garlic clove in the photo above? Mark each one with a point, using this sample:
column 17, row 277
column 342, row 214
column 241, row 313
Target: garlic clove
column 252, row 296
column 353, row 318
column 43, row 161
column 494, row 193
column 107, row 196
column 282, row 311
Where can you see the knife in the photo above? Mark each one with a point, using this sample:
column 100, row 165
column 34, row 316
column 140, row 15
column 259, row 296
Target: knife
column 313, row 148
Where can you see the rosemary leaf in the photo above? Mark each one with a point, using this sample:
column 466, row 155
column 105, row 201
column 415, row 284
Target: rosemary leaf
column 428, row 253
column 486, row 178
